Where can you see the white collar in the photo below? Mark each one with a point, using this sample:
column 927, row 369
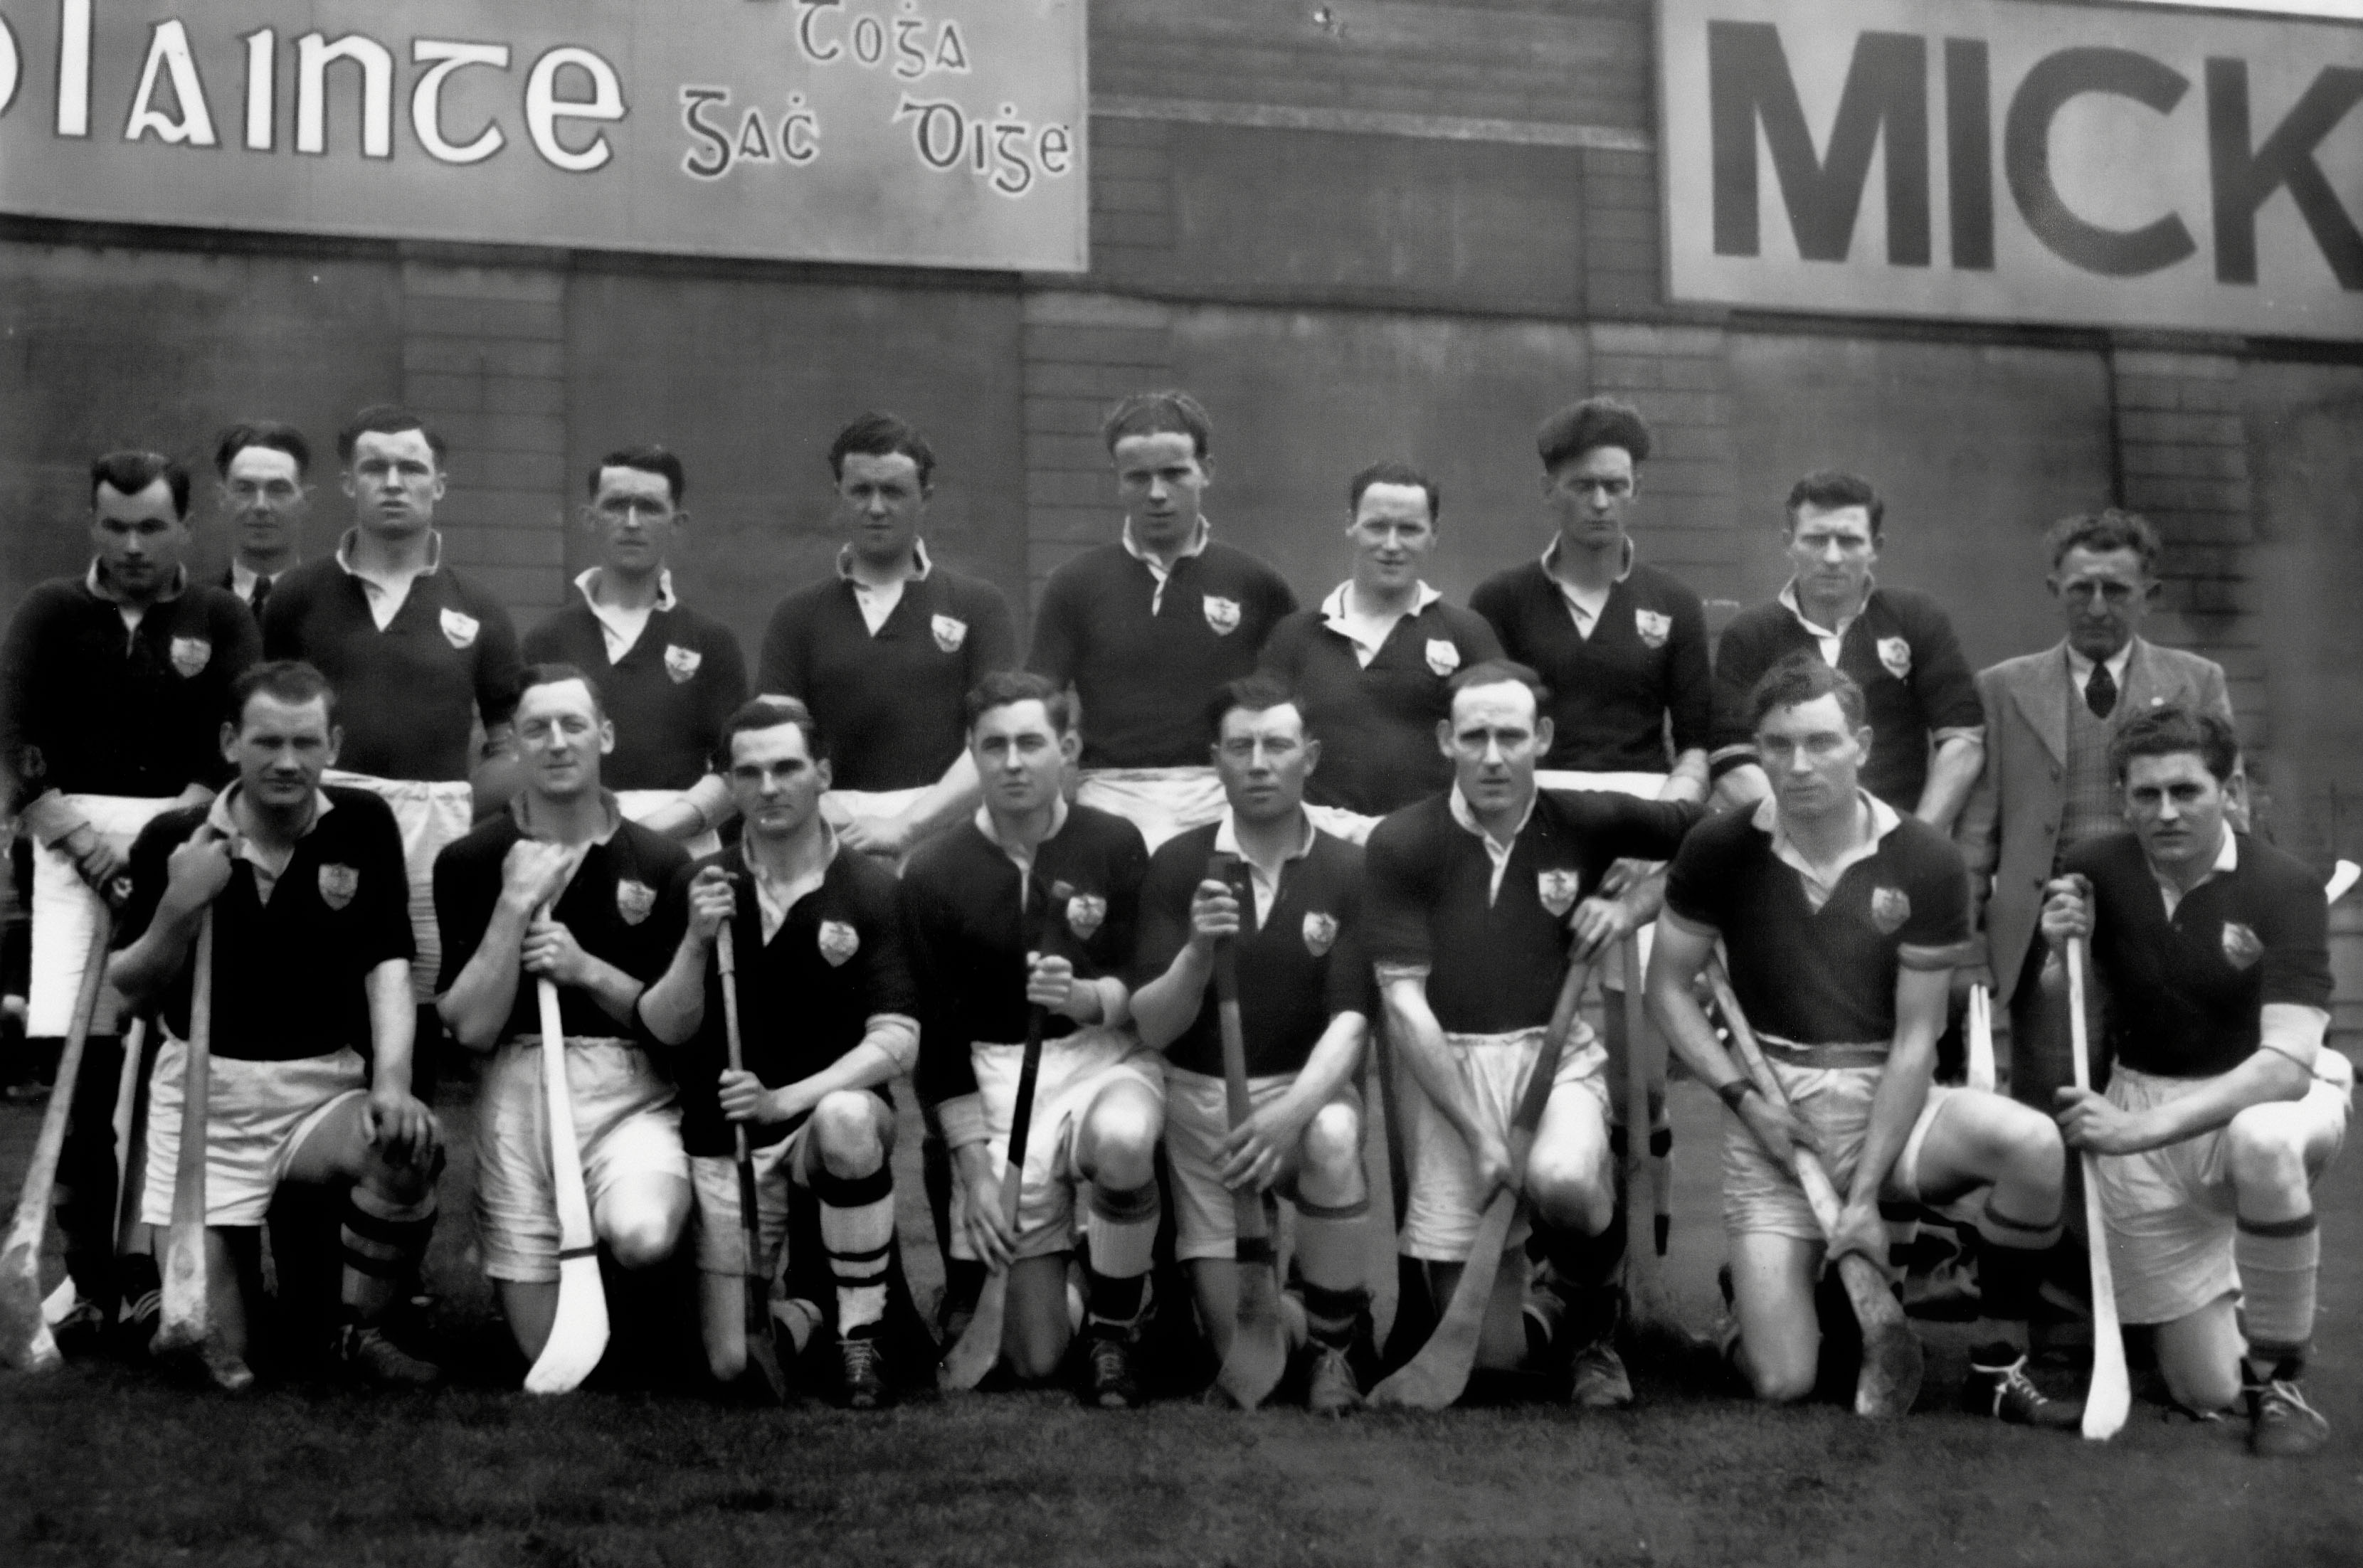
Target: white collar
column 1227, row 838
column 1789, row 601
column 773, row 903
column 1200, row 535
column 102, row 589
column 345, row 554
column 1884, row 820
column 1466, row 815
column 2081, row 668
column 243, row 578
column 519, row 804
column 1550, row 555
column 984, row 825
column 223, row 817
column 588, row 583
column 1338, row 605
column 919, row 559
column 2228, row 860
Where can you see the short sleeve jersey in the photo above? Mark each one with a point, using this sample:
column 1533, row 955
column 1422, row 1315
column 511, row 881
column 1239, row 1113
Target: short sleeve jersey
column 967, row 935
column 806, row 998
column 2186, row 991
column 1145, row 658
column 407, row 696
column 890, row 702
column 1494, row 960
column 1298, row 969
column 668, row 696
column 90, row 707
column 1823, row 977
column 1901, row 650
column 290, row 972
column 1617, row 696
column 625, row 906
column 1376, row 723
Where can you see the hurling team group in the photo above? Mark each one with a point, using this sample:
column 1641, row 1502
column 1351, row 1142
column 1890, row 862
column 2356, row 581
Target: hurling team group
column 1170, row 879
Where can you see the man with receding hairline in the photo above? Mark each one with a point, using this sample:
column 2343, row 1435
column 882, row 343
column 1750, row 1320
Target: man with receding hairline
column 112, row 686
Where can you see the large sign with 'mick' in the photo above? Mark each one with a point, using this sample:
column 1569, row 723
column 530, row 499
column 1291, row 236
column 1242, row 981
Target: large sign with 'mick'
column 2011, row 161
column 931, row 132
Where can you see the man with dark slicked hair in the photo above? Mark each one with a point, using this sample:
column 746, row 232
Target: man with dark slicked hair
column 263, row 467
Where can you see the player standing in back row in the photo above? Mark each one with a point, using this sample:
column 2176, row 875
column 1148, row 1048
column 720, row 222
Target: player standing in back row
column 1148, row 629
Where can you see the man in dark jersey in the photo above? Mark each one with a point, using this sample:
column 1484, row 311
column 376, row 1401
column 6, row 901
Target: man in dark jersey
column 1369, row 666
column 562, row 887
column 1623, row 647
column 264, row 468
column 1033, row 903
column 2224, row 1106
column 111, row 688
column 1146, row 629
column 1478, row 901
column 1896, row 644
column 1305, row 1003
column 667, row 674
column 311, row 1022
column 886, row 652
column 827, row 1018
column 418, row 655
column 1842, row 920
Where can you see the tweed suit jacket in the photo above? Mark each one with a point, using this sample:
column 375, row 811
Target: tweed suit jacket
column 2009, row 829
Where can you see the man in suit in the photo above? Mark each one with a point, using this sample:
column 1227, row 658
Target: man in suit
column 264, row 467
column 2047, row 785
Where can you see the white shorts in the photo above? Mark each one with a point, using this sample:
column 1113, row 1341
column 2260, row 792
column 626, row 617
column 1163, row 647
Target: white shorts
column 65, row 911
column 721, row 1234
column 2170, row 1210
column 1761, row 1197
column 257, row 1115
column 1162, row 803
column 1339, row 823
column 640, row 804
column 430, row 815
column 1074, row 1070
column 1197, row 1119
column 626, row 1125
column 1440, row 1220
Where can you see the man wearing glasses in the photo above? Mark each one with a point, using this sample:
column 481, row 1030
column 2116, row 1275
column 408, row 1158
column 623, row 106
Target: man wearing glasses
column 1928, row 733
column 263, row 466
column 2048, row 785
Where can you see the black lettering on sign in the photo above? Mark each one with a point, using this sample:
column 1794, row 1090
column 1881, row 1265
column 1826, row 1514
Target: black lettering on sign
column 2245, row 179
column 1886, row 90
column 1968, row 152
column 2026, row 159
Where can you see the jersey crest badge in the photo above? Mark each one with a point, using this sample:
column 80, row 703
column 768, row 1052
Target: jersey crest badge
column 2242, row 947
column 1086, row 913
column 680, row 663
column 191, row 655
column 459, row 630
column 1223, row 614
column 1896, row 655
column 1320, row 932
column 950, row 632
column 338, row 885
column 839, row 942
column 634, row 899
column 1889, row 908
column 1655, row 627
column 1557, row 890
column 1443, row 657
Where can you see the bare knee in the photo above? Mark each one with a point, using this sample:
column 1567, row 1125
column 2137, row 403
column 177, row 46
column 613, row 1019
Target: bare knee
column 1120, row 1140
column 2203, row 1387
column 1569, row 1195
column 1333, row 1143
column 2027, row 1146
column 726, row 1362
column 845, row 1133
column 641, row 1236
column 2266, row 1151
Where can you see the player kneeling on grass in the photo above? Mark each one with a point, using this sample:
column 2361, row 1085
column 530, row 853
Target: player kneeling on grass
column 312, row 1017
column 1842, row 919
column 1032, row 905
column 560, row 887
column 1480, row 898
column 827, row 1019
column 2224, row 1106
column 1304, row 1001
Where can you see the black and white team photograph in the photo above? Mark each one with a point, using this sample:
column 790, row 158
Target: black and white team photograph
column 1254, row 781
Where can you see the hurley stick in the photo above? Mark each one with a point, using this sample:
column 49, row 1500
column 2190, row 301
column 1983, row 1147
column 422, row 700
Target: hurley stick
column 1645, row 1286
column 1435, row 1378
column 187, row 1323
column 965, row 1364
column 578, row 1334
column 763, row 1352
column 2111, row 1395
column 1981, row 1031
column 26, row 1341
column 1258, row 1351
column 1892, row 1358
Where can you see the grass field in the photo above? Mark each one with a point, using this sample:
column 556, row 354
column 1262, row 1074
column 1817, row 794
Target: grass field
column 106, row 1463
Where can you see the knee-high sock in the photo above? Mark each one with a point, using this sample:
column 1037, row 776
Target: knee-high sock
column 856, row 1228
column 1124, row 1238
column 2278, row 1261
column 2011, row 1253
column 383, row 1240
column 1330, row 1252
column 1582, row 1275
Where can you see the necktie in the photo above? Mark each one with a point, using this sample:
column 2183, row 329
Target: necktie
column 262, row 593
column 2100, row 692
